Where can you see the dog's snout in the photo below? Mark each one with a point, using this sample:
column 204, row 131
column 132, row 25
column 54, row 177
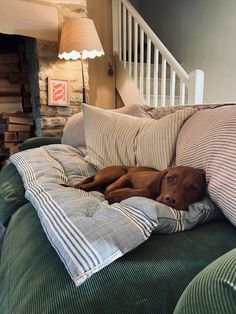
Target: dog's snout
column 170, row 200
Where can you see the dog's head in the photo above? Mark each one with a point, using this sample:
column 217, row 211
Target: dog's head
column 182, row 186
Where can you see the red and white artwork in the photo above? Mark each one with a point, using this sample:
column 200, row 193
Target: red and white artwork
column 57, row 92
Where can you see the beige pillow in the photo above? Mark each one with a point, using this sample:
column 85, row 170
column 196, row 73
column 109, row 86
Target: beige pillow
column 116, row 139
column 73, row 133
column 208, row 141
column 156, row 143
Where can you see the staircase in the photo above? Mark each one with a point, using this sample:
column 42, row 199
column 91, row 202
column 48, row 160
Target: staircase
column 146, row 72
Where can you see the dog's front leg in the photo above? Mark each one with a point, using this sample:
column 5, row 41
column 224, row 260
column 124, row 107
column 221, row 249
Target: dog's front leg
column 86, row 184
column 122, row 182
column 122, row 194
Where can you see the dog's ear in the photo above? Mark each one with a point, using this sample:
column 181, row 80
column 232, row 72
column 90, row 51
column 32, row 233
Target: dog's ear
column 203, row 172
column 155, row 185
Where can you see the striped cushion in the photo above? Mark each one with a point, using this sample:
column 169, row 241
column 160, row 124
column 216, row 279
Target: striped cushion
column 73, row 133
column 156, row 143
column 116, row 139
column 87, row 233
column 208, row 141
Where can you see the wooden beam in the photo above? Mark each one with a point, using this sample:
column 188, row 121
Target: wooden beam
column 29, row 19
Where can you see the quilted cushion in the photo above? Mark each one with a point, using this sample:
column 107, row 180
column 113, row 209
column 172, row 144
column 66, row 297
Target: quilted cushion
column 208, row 141
column 116, row 139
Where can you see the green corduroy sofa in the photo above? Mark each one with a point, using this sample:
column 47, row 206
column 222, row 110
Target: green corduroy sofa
column 187, row 272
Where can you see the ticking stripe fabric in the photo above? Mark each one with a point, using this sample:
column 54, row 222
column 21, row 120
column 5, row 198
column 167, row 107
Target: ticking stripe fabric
column 116, row 139
column 86, row 232
column 208, row 141
column 156, row 143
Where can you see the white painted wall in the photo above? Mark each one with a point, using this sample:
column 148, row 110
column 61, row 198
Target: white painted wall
column 201, row 35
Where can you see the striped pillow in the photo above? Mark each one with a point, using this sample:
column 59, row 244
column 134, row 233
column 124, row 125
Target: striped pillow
column 117, row 139
column 156, row 143
column 208, row 141
column 73, row 133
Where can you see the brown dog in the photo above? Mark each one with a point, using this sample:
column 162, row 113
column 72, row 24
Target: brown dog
column 176, row 187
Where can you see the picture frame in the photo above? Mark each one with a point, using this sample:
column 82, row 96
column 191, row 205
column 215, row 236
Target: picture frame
column 58, row 92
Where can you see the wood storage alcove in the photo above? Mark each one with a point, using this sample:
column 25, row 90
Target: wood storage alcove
column 16, row 119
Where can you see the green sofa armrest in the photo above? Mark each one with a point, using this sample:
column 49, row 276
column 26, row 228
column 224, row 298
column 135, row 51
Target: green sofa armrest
column 12, row 192
column 213, row 290
column 39, row 141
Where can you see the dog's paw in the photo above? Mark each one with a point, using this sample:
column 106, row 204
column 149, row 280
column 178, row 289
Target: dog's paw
column 112, row 197
column 80, row 186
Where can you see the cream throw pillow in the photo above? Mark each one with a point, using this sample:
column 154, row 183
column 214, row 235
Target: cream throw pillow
column 73, row 133
column 117, row 139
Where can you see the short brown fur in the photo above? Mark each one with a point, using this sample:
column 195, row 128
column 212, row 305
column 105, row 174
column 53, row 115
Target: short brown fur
column 176, row 187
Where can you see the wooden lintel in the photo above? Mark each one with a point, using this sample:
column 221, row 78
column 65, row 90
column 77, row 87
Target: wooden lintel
column 29, row 19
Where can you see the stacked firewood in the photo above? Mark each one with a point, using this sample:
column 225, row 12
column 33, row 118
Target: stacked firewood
column 15, row 128
column 15, row 99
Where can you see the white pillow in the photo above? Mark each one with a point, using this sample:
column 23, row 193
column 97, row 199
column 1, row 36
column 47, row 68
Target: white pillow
column 73, row 133
column 116, row 139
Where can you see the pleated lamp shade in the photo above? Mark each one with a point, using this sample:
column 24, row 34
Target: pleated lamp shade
column 79, row 40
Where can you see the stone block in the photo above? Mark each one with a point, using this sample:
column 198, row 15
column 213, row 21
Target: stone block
column 43, row 98
column 53, row 122
column 52, row 111
column 52, row 133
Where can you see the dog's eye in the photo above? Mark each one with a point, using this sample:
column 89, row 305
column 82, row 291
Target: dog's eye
column 193, row 188
column 170, row 178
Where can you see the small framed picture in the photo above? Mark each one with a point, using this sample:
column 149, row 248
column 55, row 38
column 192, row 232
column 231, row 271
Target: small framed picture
column 58, row 92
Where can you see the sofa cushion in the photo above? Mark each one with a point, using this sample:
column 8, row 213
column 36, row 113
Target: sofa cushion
column 12, row 193
column 212, row 290
column 73, row 133
column 34, row 280
column 208, row 141
column 116, row 139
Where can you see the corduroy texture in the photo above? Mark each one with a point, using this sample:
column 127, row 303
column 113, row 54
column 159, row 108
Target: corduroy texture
column 116, row 139
column 149, row 279
column 213, row 291
column 208, row 141
column 11, row 193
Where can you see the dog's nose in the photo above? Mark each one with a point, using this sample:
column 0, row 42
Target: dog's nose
column 170, row 200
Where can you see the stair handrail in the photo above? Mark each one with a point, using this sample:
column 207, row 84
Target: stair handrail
column 157, row 43
column 193, row 81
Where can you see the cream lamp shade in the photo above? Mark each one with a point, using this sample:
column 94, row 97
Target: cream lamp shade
column 79, row 40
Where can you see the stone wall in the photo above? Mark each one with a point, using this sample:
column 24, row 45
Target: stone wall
column 44, row 63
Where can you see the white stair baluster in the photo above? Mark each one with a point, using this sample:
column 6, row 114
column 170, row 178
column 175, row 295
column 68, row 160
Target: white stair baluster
column 155, row 82
column 141, row 60
column 182, row 93
column 124, row 36
column 148, row 71
column 120, row 31
column 130, row 33
column 163, row 82
column 135, row 51
column 130, row 43
column 172, row 87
